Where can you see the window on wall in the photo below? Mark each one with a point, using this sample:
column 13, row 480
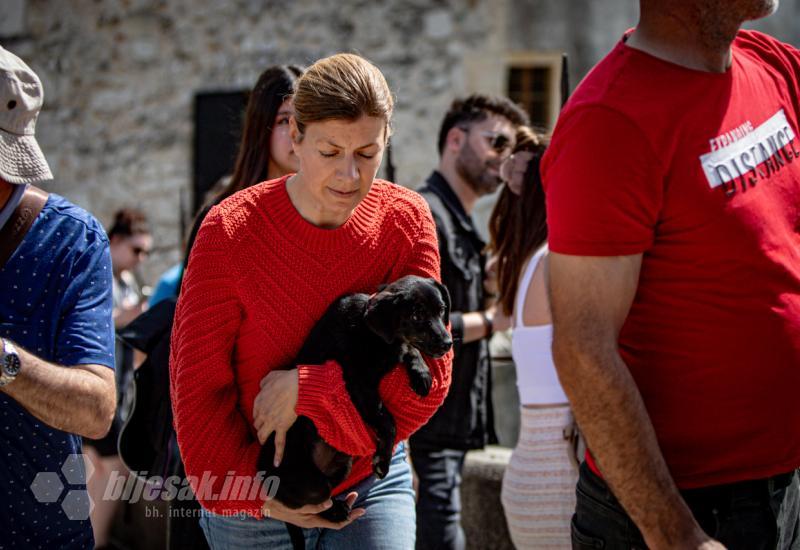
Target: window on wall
column 533, row 81
column 530, row 87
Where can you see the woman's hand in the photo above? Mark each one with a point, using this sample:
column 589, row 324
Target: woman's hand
column 308, row 516
column 273, row 409
column 513, row 171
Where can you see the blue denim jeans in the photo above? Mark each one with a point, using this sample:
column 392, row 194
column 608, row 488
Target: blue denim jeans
column 439, row 501
column 389, row 522
column 748, row 515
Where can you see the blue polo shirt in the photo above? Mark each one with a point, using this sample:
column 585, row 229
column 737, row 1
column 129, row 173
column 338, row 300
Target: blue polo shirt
column 55, row 302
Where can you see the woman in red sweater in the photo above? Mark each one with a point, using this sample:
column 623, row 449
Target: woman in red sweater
column 266, row 264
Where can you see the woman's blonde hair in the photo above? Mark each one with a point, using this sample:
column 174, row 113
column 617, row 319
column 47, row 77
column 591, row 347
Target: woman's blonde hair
column 342, row 86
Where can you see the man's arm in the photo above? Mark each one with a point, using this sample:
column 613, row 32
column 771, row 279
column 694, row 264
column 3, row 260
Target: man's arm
column 81, row 399
column 466, row 326
column 475, row 326
column 590, row 298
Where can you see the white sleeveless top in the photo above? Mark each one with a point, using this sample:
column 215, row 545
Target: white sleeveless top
column 530, row 347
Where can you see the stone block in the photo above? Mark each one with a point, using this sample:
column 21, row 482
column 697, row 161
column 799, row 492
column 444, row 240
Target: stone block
column 505, row 399
column 482, row 513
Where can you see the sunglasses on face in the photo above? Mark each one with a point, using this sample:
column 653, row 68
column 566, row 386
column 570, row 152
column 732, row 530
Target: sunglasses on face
column 500, row 143
column 139, row 251
column 497, row 141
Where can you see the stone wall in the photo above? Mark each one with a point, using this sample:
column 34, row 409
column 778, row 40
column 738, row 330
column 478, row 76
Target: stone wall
column 586, row 30
column 120, row 76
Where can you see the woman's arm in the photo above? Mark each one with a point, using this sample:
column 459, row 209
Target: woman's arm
column 411, row 411
column 213, row 436
column 323, row 397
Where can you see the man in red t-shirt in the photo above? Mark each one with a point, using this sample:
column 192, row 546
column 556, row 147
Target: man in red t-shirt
column 673, row 198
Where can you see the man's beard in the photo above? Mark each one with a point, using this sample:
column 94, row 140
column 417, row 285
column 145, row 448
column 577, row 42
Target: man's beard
column 475, row 173
column 761, row 8
column 720, row 20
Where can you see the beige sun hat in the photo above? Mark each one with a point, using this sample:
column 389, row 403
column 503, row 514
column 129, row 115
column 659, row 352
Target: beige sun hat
column 21, row 98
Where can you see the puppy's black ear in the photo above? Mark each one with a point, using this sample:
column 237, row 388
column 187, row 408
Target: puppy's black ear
column 379, row 316
column 446, row 298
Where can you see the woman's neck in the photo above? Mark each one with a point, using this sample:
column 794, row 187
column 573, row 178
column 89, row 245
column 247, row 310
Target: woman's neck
column 309, row 209
column 274, row 171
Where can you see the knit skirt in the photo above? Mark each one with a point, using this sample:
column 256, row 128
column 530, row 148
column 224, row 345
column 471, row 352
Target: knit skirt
column 538, row 492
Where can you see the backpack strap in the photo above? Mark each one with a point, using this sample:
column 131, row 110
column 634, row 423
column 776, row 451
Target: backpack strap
column 20, row 222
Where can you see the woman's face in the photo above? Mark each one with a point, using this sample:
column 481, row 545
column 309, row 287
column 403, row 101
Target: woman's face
column 338, row 162
column 282, row 159
column 127, row 252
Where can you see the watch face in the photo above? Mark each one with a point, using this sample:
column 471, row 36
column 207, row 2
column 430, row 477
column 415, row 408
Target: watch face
column 12, row 364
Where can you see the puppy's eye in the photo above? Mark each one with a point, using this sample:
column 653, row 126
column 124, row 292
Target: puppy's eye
column 416, row 317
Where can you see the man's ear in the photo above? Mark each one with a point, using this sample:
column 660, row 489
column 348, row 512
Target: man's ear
column 455, row 139
column 379, row 316
column 445, row 298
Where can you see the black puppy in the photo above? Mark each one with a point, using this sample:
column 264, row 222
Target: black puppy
column 367, row 336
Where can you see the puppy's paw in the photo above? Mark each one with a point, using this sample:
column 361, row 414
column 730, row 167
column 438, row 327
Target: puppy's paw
column 421, row 383
column 338, row 512
column 380, row 466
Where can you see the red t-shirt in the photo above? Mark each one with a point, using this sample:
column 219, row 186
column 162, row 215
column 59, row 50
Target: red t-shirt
column 699, row 172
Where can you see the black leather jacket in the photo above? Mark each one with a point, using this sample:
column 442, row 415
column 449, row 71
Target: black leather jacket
column 465, row 419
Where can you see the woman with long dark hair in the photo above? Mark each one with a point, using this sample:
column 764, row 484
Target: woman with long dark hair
column 538, row 492
column 265, row 153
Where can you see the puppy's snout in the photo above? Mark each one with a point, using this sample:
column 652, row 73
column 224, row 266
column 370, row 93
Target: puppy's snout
column 444, row 345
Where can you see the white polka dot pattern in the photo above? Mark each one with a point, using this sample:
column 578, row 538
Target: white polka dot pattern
column 58, row 307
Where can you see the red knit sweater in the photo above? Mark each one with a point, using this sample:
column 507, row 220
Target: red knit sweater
column 259, row 277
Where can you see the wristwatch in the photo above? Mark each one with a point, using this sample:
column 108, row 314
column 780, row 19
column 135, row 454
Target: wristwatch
column 9, row 362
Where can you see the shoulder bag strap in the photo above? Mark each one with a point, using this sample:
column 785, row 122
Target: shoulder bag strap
column 21, row 220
